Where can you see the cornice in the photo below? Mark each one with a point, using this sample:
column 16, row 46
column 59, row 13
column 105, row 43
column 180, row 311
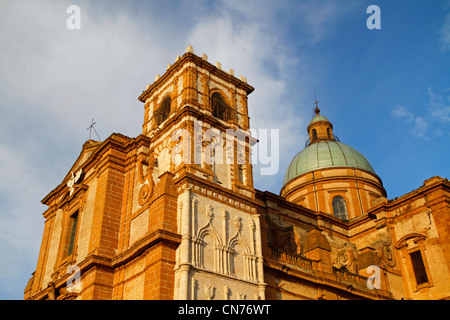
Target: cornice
column 199, row 62
column 217, row 193
column 331, row 178
column 391, row 205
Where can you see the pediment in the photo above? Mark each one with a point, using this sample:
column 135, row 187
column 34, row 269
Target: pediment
column 415, row 237
column 75, row 174
column 87, row 150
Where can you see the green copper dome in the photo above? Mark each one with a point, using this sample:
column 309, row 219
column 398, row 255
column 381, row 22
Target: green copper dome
column 325, row 154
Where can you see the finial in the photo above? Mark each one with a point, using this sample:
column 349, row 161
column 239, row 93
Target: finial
column 317, row 110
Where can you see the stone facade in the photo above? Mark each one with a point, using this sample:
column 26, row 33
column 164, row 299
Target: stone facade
column 173, row 214
column 336, row 265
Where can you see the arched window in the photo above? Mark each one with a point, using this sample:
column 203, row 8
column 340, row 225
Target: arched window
column 219, row 107
column 314, row 134
column 162, row 113
column 208, row 252
column 340, row 208
column 329, row 133
column 238, row 260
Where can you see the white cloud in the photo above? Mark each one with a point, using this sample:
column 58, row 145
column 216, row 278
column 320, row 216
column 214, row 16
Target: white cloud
column 53, row 81
column 438, row 114
column 445, row 33
column 401, row 112
column 420, row 127
column 439, row 106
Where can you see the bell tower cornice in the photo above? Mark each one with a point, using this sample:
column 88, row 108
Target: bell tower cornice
column 191, row 59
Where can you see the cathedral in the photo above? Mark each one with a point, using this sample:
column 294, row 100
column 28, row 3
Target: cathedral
column 173, row 213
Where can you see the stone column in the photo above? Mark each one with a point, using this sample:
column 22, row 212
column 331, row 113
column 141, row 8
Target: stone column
column 184, row 266
column 259, row 257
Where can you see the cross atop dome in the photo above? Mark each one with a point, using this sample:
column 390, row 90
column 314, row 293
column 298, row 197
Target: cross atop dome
column 317, row 110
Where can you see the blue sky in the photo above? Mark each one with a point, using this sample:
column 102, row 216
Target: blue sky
column 386, row 91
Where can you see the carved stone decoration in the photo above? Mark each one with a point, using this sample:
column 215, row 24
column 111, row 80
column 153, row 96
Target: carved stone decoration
column 226, row 293
column 410, row 239
column 73, row 180
column 210, row 292
column 347, row 257
column 251, row 224
column 61, row 294
column 383, row 248
column 66, row 294
column 387, row 255
column 145, row 194
column 241, row 264
column 199, row 255
column 344, row 253
column 238, row 224
column 242, row 296
column 145, row 170
column 224, row 214
column 51, row 291
column 209, row 213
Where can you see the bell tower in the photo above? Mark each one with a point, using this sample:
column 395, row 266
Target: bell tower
column 196, row 114
column 196, row 118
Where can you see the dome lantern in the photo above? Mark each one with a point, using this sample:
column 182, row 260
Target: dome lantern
column 320, row 128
